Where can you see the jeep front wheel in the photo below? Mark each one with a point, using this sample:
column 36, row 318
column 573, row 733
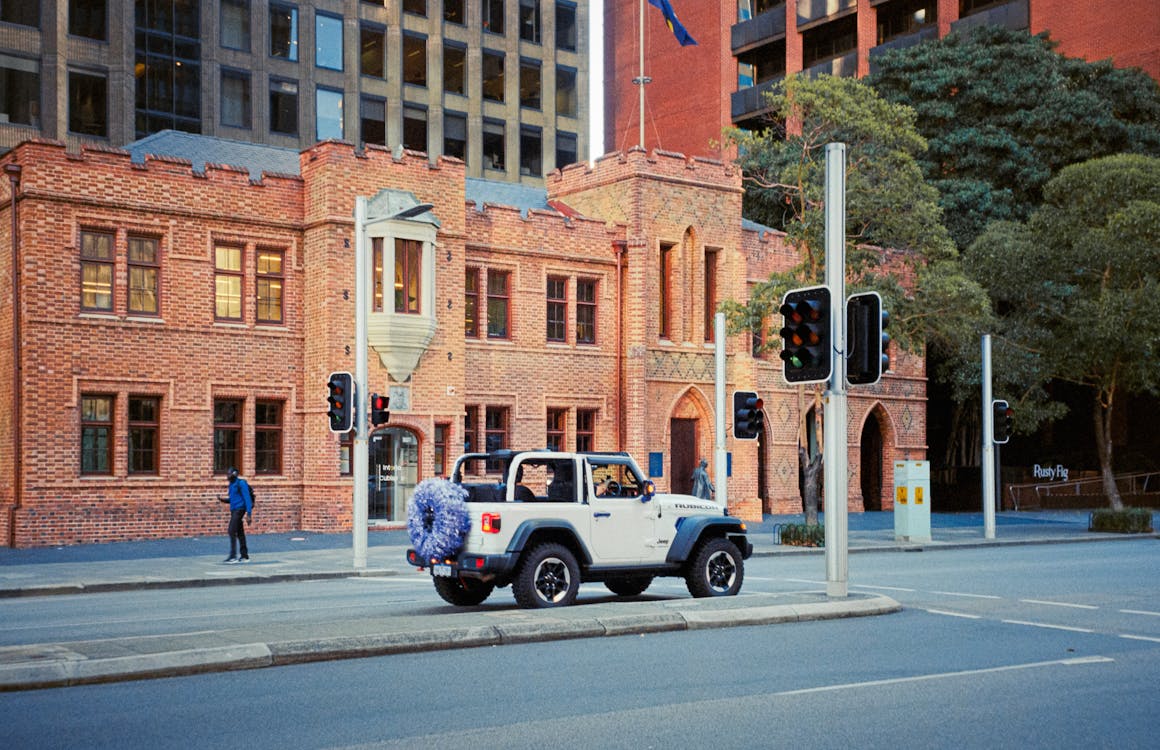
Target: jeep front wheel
column 466, row 592
column 548, row 576
column 716, row 569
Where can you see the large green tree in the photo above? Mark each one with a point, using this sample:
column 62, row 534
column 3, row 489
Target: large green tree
column 1078, row 285
column 888, row 205
column 1003, row 112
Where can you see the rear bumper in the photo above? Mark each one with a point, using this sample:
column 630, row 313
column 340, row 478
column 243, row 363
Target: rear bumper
column 483, row 567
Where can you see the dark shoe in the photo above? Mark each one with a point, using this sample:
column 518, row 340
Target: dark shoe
column 244, row 559
column 232, row 561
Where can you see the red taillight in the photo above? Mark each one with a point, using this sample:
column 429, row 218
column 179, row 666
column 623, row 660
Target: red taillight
column 490, row 523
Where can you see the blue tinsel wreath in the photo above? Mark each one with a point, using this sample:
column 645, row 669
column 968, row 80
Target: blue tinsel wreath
column 437, row 518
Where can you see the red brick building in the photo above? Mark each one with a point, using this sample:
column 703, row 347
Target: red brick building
column 745, row 46
column 162, row 320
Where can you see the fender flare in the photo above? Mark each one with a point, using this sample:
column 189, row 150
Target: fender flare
column 691, row 529
column 527, row 528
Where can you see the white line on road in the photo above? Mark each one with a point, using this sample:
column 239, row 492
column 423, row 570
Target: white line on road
column 969, row 596
column 881, row 588
column 1058, row 604
column 1048, row 625
column 1140, row 638
column 1139, row 612
column 944, row 675
column 953, row 614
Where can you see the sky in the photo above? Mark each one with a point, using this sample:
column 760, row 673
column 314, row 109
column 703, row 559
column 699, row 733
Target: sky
column 596, row 78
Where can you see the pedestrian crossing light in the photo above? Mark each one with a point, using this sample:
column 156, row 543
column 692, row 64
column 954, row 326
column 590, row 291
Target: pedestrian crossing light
column 805, row 335
column 1002, row 420
column 867, row 341
column 341, row 401
column 747, row 416
column 380, row 406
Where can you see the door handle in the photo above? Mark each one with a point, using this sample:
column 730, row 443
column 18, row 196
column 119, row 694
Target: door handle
column 602, row 514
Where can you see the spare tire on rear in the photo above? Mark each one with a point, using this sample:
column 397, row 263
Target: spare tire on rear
column 437, row 518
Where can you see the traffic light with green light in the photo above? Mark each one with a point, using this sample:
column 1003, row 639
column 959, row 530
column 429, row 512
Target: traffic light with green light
column 806, row 352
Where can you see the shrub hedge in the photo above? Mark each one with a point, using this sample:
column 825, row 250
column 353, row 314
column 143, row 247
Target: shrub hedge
column 1127, row 521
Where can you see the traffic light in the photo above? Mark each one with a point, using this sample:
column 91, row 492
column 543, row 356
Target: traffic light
column 379, row 409
column 805, row 344
column 747, row 416
column 1002, row 420
column 865, row 339
column 341, row 400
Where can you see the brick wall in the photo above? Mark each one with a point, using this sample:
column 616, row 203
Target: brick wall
column 614, row 218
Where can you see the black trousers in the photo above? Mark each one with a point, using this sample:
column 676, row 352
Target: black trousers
column 238, row 533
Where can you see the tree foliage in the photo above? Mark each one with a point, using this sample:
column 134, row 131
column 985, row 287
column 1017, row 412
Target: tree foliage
column 896, row 243
column 1003, row 112
column 1078, row 284
column 888, row 205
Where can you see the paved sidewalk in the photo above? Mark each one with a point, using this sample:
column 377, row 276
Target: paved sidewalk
column 306, row 556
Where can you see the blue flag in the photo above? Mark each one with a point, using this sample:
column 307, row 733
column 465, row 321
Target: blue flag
column 672, row 22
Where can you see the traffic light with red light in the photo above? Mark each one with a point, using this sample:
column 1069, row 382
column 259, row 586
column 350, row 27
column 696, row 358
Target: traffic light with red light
column 380, row 409
column 1002, row 421
column 805, row 335
column 341, row 401
column 747, row 416
column 865, row 338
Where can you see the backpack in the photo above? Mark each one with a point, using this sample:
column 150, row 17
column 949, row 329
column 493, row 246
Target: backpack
column 253, row 500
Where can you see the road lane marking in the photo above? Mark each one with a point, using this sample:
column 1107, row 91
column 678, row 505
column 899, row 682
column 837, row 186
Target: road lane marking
column 882, row 588
column 1139, row 612
column 969, row 596
column 945, row 675
column 953, row 614
column 1049, row 626
column 1058, row 604
column 1140, row 638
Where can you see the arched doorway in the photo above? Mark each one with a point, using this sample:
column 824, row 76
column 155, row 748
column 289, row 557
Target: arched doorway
column 690, row 439
column 871, row 464
column 394, row 470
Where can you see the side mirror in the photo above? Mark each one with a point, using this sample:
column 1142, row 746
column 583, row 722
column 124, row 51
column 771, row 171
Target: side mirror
column 650, row 489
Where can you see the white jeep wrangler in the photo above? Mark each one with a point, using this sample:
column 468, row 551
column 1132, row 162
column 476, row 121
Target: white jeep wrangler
column 558, row 519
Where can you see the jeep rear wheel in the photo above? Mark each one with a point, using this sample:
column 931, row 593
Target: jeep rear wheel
column 548, row 576
column 466, row 592
column 628, row 585
column 716, row 569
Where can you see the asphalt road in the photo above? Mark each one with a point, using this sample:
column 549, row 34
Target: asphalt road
column 1044, row 646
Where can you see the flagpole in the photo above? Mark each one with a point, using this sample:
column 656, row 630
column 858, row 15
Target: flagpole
column 641, row 79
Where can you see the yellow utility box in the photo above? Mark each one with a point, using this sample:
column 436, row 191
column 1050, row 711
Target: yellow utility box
column 912, row 501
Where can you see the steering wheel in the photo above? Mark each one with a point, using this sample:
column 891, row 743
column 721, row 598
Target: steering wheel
column 612, row 487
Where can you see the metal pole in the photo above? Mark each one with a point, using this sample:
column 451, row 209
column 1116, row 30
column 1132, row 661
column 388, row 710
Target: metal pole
column 988, row 459
column 720, row 457
column 835, row 439
column 360, row 470
column 641, row 79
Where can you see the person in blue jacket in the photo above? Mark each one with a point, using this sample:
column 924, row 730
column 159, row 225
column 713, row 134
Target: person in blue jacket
column 241, row 504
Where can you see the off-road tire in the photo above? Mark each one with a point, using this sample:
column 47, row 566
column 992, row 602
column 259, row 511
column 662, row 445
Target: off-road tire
column 628, row 585
column 716, row 569
column 547, row 576
column 466, row 592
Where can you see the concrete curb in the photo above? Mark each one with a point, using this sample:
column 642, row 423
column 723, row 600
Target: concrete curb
column 64, row 589
column 61, row 666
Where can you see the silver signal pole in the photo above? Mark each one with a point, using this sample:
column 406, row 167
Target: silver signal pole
column 720, row 457
column 360, row 471
column 988, row 458
column 835, row 440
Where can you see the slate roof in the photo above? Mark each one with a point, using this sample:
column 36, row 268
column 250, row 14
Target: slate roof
column 523, row 197
column 202, row 149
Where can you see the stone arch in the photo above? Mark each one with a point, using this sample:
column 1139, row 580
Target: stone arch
column 689, row 436
column 875, row 457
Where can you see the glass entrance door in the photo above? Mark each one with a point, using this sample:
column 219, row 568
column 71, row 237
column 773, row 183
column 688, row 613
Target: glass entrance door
column 394, row 471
